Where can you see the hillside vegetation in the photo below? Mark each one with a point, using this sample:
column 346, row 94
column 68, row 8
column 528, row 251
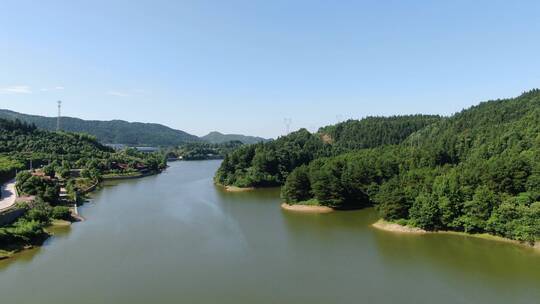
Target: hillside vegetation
column 477, row 171
column 269, row 164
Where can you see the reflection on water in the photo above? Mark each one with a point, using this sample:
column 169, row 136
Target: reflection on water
column 177, row 238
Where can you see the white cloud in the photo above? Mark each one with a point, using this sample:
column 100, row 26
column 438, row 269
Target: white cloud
column 57, row 88
column 118, row 94
column 16, row 89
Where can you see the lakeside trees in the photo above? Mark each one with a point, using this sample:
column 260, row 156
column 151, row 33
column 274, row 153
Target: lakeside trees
column 269, row 164
column 477, row 171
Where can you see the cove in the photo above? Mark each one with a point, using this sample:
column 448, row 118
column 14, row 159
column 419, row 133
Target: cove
column 177, row 238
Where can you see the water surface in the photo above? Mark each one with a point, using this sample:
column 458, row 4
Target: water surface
column 176, row 238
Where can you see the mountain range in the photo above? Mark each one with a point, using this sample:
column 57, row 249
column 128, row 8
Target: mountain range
column 124, row 132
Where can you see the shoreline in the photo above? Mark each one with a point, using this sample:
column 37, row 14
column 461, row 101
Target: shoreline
column 75, row 218
column 397, row 228
column 15, row 249
column 132, row 176
column 306, row 208
column 238, row 189
column 235, row 188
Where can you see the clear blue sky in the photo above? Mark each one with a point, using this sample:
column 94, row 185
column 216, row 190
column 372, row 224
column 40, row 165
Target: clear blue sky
column 243, row 66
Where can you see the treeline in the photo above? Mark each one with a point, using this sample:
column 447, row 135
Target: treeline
column 269, row 164
column 203, row 150
column 21, row 143
column 477, row 171
column 375, row 131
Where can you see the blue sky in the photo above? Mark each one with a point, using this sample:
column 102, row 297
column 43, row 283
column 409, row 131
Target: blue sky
column 244, row 66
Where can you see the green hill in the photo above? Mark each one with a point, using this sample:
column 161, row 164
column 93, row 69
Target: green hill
column 477, row 171
column 268, row 164
column 218, row 138
column 111, row 132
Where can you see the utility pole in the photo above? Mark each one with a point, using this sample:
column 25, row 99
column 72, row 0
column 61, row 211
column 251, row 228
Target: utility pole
column 59, row 115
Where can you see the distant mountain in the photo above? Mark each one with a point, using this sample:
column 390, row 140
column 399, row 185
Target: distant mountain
column 111, row 132
column 217, row 138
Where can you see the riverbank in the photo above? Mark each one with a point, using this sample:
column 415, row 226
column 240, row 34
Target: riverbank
column 12, row 249
column 306, row 208
column 110, row 177
column 397, row 228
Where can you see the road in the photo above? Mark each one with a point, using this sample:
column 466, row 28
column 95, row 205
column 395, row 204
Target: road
column 8, row 195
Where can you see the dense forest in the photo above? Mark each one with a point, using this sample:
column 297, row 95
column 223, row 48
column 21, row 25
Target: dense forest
column 54, row 157
column 220, row 138
column 110, row 132
column 477, row 171
column 269, row 164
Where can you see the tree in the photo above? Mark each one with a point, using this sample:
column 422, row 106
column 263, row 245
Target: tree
column 478, row 210
column 297, row 188
column 424, row 213
column 49, row 170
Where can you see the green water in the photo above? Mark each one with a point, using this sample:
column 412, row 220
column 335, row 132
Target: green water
column 175, row 238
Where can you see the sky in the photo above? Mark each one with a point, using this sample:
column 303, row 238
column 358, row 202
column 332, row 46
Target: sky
column 246, row 66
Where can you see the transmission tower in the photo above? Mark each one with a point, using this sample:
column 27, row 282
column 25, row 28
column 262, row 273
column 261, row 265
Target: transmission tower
column 288, row 122
column 59, row 115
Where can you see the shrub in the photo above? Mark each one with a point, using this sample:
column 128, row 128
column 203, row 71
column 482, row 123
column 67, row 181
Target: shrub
column 60, row 213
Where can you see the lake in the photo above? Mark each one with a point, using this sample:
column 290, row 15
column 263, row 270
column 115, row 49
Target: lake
column 177, row 238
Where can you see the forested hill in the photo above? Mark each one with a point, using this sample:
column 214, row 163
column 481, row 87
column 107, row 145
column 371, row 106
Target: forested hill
column 477, row 171
column 219, row 138
column 268, row 164
column 375, row 131
column 114, row 131
column 21, row 142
